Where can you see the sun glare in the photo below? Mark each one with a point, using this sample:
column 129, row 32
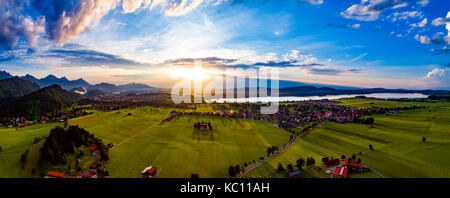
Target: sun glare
column 191, row 73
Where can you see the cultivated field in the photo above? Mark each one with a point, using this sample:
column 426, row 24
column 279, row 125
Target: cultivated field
column 179, row 150
column 142, row 140
column 397, row 141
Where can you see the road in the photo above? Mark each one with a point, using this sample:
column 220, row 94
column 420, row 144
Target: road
column 253, row 166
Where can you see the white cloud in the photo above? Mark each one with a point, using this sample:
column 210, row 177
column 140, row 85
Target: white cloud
column 405, row 15
column 437, row 78
column 356, row 26
column 314, row 2
column 370, row 10
column 420, row 24
column 422, row 39
column 423, row 2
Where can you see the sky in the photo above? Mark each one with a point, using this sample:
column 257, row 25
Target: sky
column 355, row 43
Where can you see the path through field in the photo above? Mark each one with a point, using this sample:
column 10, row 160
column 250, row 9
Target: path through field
column 132, row 137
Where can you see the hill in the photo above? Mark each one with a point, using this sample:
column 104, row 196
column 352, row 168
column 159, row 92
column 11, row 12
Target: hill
column 128, row 88
column 45, row 100
column 15, row 87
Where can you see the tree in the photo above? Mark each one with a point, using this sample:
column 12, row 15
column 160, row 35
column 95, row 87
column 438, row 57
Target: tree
column 299, row 163
column 231, row 171
column 280, row 167
column 269, row 151
column 370, row 121
column 371, row 147
column 237, row 169
column 423, row 140
column 290, row 167
column 313, row 161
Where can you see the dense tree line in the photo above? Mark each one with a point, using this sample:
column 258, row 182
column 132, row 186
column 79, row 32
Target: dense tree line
column 62, row 142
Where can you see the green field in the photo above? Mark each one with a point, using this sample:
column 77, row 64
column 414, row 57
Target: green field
column 300, row 149
column 142, row 140
column 397, row 141
column 363, row 103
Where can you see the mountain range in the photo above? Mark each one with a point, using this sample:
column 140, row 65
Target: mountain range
column 81, row 84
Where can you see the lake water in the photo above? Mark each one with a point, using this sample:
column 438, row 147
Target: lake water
column 329, row 97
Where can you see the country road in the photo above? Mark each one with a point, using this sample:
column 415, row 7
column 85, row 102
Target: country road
column 253, row 166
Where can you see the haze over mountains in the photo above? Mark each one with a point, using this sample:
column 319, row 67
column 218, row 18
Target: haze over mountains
column 16, row 87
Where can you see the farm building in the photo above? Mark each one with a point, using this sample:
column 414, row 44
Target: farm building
column 150, row 172
column 340, row 172
column 53, row 174
column 350, row 162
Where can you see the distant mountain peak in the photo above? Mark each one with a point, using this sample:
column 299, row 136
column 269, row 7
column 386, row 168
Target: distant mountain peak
column 64, row 79
column 5, row 75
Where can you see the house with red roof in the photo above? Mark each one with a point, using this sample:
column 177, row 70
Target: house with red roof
column 350, row 162
column 149, row 172
column 340, row 172
column 53, row 174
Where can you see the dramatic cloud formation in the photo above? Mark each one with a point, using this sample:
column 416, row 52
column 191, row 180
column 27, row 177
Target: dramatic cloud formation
column 14, row 25
column 73, row 55
column 438, row 77
column 65, row 19
column 370, row 10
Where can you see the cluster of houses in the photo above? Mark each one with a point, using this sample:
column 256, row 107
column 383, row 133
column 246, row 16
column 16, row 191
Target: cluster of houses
column 91, row 172
column 22, row 121
column 299, row 113
column 203, row 126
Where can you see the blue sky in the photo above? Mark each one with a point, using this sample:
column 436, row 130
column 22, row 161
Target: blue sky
column 358, row 43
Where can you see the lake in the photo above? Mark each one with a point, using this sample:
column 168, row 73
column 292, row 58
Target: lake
column 329, row 97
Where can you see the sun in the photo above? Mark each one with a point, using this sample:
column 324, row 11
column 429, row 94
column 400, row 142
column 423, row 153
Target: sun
column 191, row 73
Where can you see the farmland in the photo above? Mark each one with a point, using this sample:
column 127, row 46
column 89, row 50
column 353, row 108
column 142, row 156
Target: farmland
column 179, row 150
column 142, row 140
column 397, row 139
